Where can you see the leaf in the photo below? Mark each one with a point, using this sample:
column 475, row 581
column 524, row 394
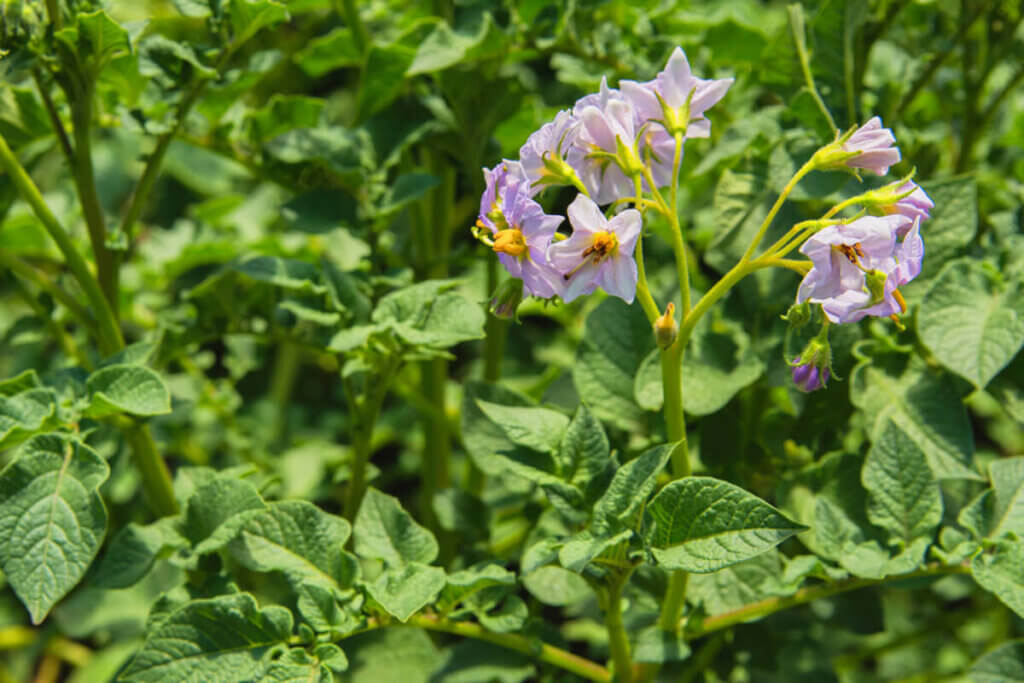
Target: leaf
column 383, row 77
column 132, row 389
column 283, row 113
column 23, row 381
column 428, row 314
column 1005, row 664
column 296, row 666
column 474, row 661
column 224, row 638
column 631, row 485
column 249, row 16
column 384, row 531
column 407, row 188
column 96, row 39
column 972, row 319
column 217, row 510
column 952, row 224
column 656, row 645
column 999, row 572
column 538, row 429
column 445, row 48
column 924, row 404
column 740, row 584
column 407, row 655
column 487, row 442
column 133, row 550
column 556, row 586
column 299, row 540
column 466, row 582
column 903, row 495
column 404, row 590
column 325, row 53
column 22, row 415
column 616, row 340
column 701, row 524
column 1007, row 477
column 52, row 519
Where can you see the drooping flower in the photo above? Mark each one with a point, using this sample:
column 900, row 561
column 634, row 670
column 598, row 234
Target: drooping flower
column 874, row 147
column 549, row 156
column 599, row 253
column 521, row 231
column 859, row 266
column 809, row 377
column 604, row 134
column 915, row 207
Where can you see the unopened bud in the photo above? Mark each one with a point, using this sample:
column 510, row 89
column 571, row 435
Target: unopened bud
column 506, row 299
column 798, row 315
column 665, row 328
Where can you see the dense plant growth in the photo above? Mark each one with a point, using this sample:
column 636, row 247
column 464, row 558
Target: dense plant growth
column 712, row 374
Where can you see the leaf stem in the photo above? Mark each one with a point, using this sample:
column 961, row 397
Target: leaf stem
column 769, row 606
column 51, row 111
column 643, row 290
column 563, row 659
column 26, row 271
column 156, row 479
column 618, row 642
column 109, row 334
column 796, row 23
column 786, row 191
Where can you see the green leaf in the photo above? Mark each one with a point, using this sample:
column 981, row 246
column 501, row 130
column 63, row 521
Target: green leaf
column 737, row 585
column 580, row 550
column 631, row 485
column 999, row 572
column 296, row 666
column 538, row 429
column 224, row 638
column 283, row 113
column 407, row 188
column 23, row 381
column 217, row 510
column 701, row 524
column 133, row 550
column 903, row 495
column 404, row 590
column 334, row 50
column 299, row 540
column 384, row 531
column 972, row 319
column 952, row 224
column 132, row 389
column 656, row 645
column 1005, row 664
column 466, row 582
column 487, row 442
column 616, row 340
column 923, row 403
column 96, row 39
column 52, row 519
column 556, row 586
column 383, row 77
column 474, row 661
column 428, row 314
column 249, row 16
column 24, row 414
column 1007, row 475
column 407, row 655
column 719, row 362
column 445, row 48
column 583, row 458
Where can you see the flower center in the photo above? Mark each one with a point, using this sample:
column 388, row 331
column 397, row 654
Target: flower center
column 510, row 242
column 604, row 245
column 853, row 252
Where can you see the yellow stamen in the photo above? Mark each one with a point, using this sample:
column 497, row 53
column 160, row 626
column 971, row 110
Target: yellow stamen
column 900, row 300
column 605, row 244
column 510, row 242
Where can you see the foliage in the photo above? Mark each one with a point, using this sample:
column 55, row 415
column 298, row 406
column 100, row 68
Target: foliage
column 257, row 423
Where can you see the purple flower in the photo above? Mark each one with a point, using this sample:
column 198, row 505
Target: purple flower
column 809, row 377
column 858, row 267
column 521, row 230
column 874, row 146
column 596, row 141
column 916, row 206
column 549, row 155
column 599, row 252
column 600, row 99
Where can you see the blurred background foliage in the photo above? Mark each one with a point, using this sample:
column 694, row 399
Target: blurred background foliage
column 315, row 164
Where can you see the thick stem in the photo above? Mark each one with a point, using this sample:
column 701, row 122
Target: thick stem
column 282, row 382
column 109, row 334
column 156, row 479
column 357, row 483
column 675, row 421
column 618, row 642
column 85, row 182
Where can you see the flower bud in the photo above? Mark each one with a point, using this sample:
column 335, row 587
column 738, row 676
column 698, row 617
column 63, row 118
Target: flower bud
column 665, row 328
column 798, row 315
column 506, row 299
column 813, row 368
column 809, row 378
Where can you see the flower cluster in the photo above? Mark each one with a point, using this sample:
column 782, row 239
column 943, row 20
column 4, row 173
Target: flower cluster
column 606, row 146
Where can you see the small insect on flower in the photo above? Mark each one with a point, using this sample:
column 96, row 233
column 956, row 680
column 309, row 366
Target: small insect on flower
column 599, row 253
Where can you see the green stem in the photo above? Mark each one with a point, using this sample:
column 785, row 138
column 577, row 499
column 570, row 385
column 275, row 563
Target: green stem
column 286, row 369
column 786, row 191
column 618, row 642
column 796, row 23
column 365, row 418
column 675, row 420
column 769, row 606
column 643, row 290
column 25, row 271
column 109, row 334
column 55, row 122
column 675, row 600
column 563, row 659
column 678, row 244
column 437, row 449
column 85, row 182
column 63, row 338
column 156, row 479
column 350, row 13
